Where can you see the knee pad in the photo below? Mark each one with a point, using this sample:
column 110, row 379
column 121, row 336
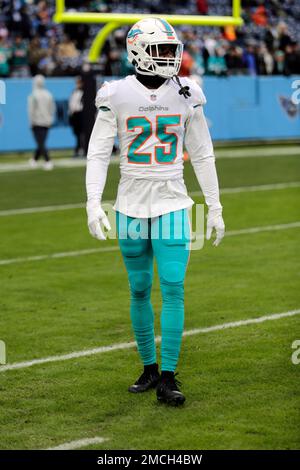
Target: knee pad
column 173, row 272
column 140, row 281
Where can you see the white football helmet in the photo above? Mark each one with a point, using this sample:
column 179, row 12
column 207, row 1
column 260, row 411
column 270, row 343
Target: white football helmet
column 144, row 46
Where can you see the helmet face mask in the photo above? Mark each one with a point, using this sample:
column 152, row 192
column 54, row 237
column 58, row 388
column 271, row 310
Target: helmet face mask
column 154, row 49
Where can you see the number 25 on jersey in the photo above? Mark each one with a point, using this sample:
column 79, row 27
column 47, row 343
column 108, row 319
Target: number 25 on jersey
column 164, row 154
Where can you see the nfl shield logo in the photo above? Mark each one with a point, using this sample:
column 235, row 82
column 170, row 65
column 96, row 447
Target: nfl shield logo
column 153, row 97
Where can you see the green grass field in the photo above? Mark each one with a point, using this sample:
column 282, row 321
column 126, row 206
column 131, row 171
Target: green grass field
column 241, row 386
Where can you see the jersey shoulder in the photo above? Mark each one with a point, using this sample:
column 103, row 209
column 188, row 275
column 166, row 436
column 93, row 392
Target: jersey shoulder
column 108, row 92
column 197, row 96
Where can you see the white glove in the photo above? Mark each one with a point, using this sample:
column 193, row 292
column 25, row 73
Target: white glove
column 215, row 221
column 96, row 215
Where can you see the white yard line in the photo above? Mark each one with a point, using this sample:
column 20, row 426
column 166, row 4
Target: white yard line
column 265, row 151
column 266, row 228
column 78, row 444
column 65, row 254
column 247, row 152
column 90, row 251
column 122, row 346
column 250, row 189
column 58, row 163
column 33, row 210
column 235, row 324
column 80, row 205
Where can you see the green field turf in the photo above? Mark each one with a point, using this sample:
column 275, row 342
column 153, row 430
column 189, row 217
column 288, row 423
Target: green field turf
column 241, row 386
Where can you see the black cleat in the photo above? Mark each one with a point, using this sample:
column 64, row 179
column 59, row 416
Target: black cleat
column 167, row 390
column 149, row 379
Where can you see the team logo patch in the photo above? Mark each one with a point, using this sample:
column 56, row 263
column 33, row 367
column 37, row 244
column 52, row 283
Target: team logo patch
column 288, row 106
column 133, row 34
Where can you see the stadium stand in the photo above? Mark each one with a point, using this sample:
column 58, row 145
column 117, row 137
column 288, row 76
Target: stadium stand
column 267, row 43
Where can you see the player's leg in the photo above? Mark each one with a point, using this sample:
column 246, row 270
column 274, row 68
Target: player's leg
column 138, row 258
column 171, row 249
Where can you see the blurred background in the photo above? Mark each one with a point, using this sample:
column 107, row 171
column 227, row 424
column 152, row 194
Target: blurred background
column 246, row 72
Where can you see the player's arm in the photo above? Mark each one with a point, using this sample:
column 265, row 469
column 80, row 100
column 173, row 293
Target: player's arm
column 98, row 157
column 200, row 149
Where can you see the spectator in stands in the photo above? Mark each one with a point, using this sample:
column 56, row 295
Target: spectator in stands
column 25, row 25
column 76, row 116
column 43, row 18
column 113, row 66
column 202, row 7
column 234, row 60
column 195, row 51
column 187, row 64
column 66, row 49
column 47, row 64
column 283, row 35
column 35, row 54
column 18, row 19
column 292, row 59
column 279, row 68
column 67, row 57
column 114, row 50
column 3, row 30
column 260, row 16
column 126, row 68
column 265, row 61
column 5, row 54
column 19, row 60
column 41, row 110
column 250, row 59
column 269, row 38
column 216, row 64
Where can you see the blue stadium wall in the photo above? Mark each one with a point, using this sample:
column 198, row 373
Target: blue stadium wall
column 237, row 108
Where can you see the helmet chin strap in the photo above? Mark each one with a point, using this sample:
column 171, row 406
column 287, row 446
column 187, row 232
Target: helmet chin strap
column 145, row 72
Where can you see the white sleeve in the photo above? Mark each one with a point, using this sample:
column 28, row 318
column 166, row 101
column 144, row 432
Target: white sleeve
column 100, row 146
column 200, row 149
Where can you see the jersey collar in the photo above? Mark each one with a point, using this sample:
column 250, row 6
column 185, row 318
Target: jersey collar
column 152, row 94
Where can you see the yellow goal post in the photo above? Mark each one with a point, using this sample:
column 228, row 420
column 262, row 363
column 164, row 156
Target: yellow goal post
column 113, row 21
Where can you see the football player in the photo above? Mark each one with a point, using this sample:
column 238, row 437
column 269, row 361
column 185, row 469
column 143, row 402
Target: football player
column 153, row 113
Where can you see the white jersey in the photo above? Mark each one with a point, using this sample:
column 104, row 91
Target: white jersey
column 151, row 126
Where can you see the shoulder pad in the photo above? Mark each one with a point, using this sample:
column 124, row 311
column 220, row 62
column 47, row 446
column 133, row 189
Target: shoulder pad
column 197, row 97
column 102, row 98
column 106, row 93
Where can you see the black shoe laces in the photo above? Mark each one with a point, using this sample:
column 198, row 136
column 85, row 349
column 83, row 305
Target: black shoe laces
column 146, row 375
column 173, row 382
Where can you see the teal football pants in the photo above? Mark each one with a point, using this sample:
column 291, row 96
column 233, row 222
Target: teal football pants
column 167, row 239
